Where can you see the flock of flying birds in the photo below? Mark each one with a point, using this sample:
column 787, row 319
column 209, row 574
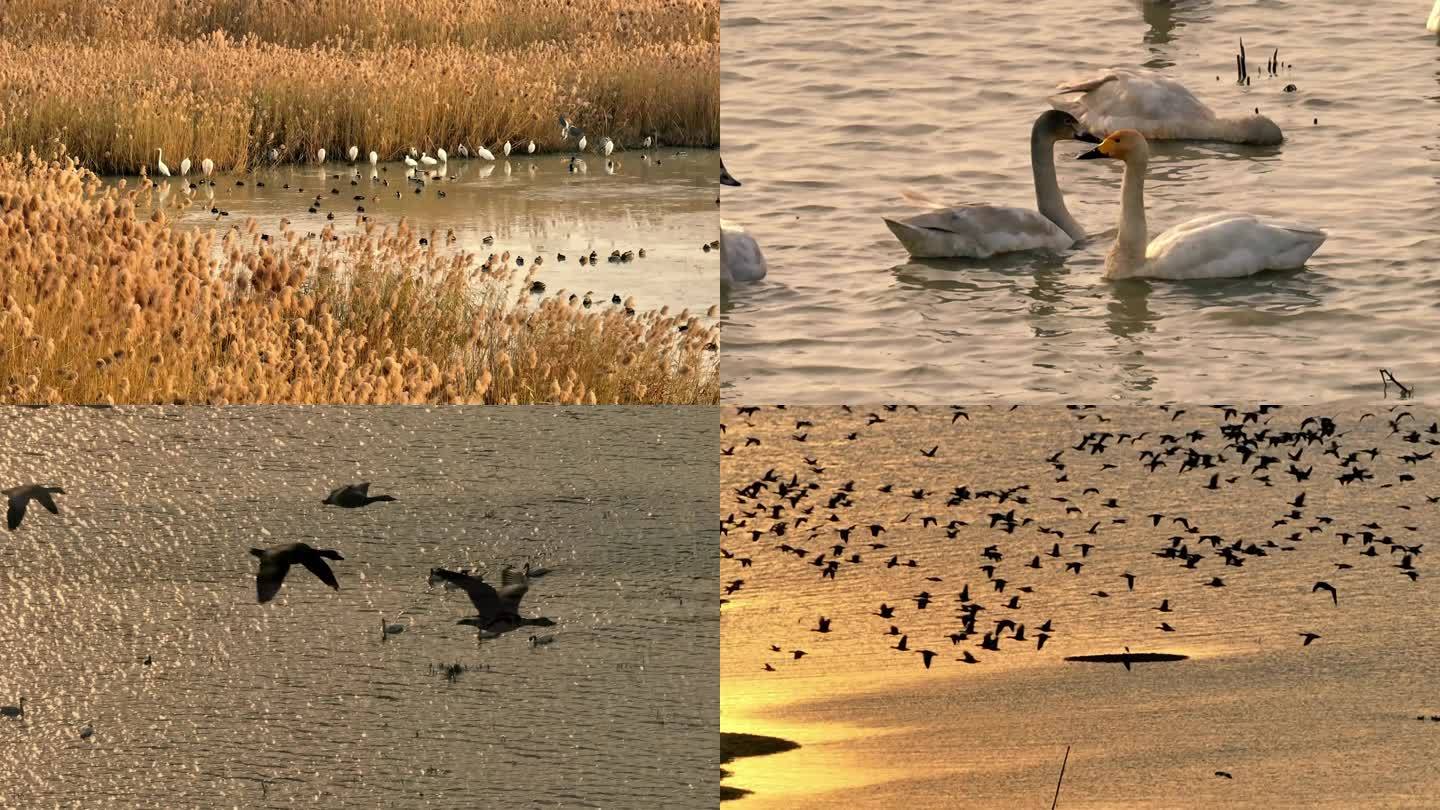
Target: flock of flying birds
column 497, row 609
column 808, row 518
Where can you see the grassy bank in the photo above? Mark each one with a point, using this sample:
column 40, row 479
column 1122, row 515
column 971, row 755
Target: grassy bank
column 231, row 80
column 99, row 303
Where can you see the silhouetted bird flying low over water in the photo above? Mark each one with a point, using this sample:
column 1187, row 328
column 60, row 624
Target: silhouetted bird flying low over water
column 353, row 496
column 21, row 496
column 275, row 564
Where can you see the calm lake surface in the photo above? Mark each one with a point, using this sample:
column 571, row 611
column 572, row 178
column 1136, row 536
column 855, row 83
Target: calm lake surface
column 530, row 206
column 831, row 109
column 1331, row 724
column 299, row 702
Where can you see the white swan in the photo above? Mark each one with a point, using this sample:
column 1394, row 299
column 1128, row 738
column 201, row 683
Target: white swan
column 981, row 231
column 741, row 261
column 1433, row 24
column 1213, row 246
column 1159, row 108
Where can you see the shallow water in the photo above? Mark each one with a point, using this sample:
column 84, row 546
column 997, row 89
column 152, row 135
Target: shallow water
column 299, row 701
column 1330, row 724
column 661, row 200
column 831, row 109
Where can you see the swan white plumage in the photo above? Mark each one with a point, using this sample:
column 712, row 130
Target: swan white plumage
column 1159, row 108
column 1214, row 246
column 741, row 261
column 981, row 231
column 1433, row 24
column 160, row 162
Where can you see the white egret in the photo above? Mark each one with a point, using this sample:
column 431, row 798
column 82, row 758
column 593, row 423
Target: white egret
column 607, row 146
column 444, row 156
column 320, row 156
column 160, row 162
column 485, row 153
column 464, row 151
column 208, row 166
column 645, row 144
column 506, row 149
column 427, row 160
column 184, row 167
column 410, row 161
column 581, row 145
column 531, row 148
column 354, row 153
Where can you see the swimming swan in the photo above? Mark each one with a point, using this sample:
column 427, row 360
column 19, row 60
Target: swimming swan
column 741, row 261
column 981, row 231
column 1213, row 246
column 1160, row 108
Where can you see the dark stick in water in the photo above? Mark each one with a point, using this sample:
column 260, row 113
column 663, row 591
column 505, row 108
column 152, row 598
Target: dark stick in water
column 1056, row 800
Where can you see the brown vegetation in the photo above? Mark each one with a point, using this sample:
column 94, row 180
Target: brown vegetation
column 100, row 303
column 232, row 79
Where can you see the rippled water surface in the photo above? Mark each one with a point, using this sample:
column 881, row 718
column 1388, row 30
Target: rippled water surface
column 831, row 109
column 133, row 610
column 660, row 200
column 1330, row 724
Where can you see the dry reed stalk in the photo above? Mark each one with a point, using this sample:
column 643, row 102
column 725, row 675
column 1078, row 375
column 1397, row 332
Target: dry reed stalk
column 99, row 303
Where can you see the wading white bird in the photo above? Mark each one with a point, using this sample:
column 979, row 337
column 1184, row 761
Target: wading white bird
column 184, row 167
column 607, row 146
column 374, row 158
column 464, row 151
column 160, row 163
column 427, row 160
column 981, row 231
column 531, row 147
column 1212, row 246
column 320, row 156
column 1159, row 108
column 410, row 161
column 581, row 145
column 506, row 149
column 354, row 153
column 485, row 153
column 208, row 166
column 444, row 156
column 645, row 144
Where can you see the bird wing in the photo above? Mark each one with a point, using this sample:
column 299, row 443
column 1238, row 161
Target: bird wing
column 511, row 595
column 510, row 576
column 270, row 577
column 46, row 501
column 363, row 487
column 321, row 569
column 16, row 512
column 483, row 596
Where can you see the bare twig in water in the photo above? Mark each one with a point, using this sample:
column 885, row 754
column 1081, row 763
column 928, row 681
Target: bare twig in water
column 1386, row 379
column 1056, row 800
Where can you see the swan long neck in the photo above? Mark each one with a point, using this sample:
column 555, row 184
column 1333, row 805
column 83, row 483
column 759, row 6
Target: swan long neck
column 1047, row 189
column 1130, row 242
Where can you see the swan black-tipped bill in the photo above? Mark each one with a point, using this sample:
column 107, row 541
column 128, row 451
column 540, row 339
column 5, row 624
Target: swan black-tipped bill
column 1087, row 137
column 1093, row 154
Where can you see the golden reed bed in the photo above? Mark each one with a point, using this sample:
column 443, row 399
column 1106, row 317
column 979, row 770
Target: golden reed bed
column 99, row 303
column 230, row 80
